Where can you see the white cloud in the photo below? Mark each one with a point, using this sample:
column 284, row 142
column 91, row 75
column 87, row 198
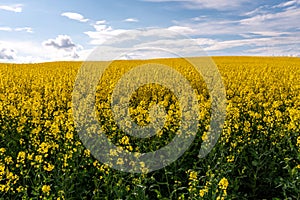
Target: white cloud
column 150, row 43
column 287, row 4
column 61, row 42
column 102, row 33
column 13, row 8
column 290, row 50
column 264, row 23
column 283, row 43
column 100, row 22
column 32, row 52
column 255, row 36
column 269, row 33
column 207, row 4
column 266, row 30
column 75, row 16
column 200, row 18
column 7, row 54
column 6, row 29
column 19, row 29
column 217, row 4
column 131, row 20
column 263, row 28
column 64, row 44
column 279, row 21
column 260, row 10
column 26, row 29
column 182, row 29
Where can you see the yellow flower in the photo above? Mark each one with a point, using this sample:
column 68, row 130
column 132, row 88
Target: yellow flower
column 87, row 153
column 130, row 148
column 204, row 136
column 120, row 161
column 46, row 189
column 144, row 170
column 202, row 192
column 69, row 136
column 220, row 198
column 2, row 150
column 20, row 189
column 142, row 164
column 223, row 184
column 2, row 187
column 230, row 158
column 8, row 160
column 44, row 148
column 125, row 140
column 193, row 175
column 49, row 167
column 21, row 157
column 21, row 141
column 2, row 169
column 113, row 152
column 38, row 158
column 30, row 156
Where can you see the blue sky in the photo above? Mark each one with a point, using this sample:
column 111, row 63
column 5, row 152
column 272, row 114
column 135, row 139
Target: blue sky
column 36, row 31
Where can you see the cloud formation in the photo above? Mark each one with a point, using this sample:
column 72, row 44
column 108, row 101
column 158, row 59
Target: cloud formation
column 207, row 4
column 7, row 54
column 6, row 28
column 131, row 20
column 22, row 51
column 102, row 33
column 75, row 16
column 26, row 29
column 100, row 22
column 61, row 42
column 220, row 28
column 64, row 43
column 256, row 32
column 287, row 4
column 18, row 29
column 12, row 8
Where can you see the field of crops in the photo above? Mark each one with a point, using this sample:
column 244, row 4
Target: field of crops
column 256, row 157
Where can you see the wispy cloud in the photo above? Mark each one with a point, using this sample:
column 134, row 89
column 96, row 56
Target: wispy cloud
column 6, row 28
column 255, row 42
column 131, row 20
column 287, row 4
column 100, row 22
column 12, row 8
column 75, row 16
column 264, row 28
column 102, row 33
column 207, row 4
column 18, row 29
column 270, row 23
column 26, row 29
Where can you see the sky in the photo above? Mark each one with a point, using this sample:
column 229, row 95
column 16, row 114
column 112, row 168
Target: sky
column 39, row 31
